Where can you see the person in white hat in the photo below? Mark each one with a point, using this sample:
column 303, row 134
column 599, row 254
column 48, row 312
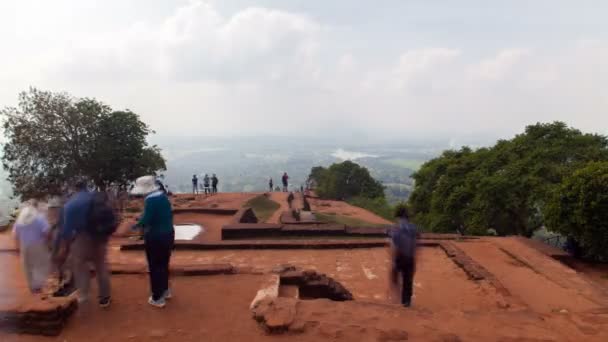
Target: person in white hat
column 30, row 231
column 159, row 236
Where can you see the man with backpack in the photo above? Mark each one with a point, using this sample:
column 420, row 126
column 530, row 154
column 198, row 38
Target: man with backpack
column 88, row 222
column 403, row 247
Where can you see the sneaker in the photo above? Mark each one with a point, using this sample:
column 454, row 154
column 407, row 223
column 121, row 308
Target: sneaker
column 105, row 302
column 158, row 303
column 168, row 294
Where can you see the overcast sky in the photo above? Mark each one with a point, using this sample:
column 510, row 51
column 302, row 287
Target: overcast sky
column 372, row 69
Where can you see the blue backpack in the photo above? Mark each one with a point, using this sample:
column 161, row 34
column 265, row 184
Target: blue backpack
column 102, row 218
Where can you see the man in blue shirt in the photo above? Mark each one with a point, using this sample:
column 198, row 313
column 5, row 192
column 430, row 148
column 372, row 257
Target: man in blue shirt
column 84, row 247
column 403, row 243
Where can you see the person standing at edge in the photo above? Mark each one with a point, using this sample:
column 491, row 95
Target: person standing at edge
column 194, row 185
column 206, row 181
column 270, row 185
column 403, row 248
column 285, row 182
column 159, row 236
column 214, row 182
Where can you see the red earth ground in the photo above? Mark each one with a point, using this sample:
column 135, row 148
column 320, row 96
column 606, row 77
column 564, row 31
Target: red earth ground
column 544, row 299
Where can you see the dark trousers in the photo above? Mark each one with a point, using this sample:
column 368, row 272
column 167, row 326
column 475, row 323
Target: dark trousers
column 406, row 268
column 158, row 253
column 214, row 189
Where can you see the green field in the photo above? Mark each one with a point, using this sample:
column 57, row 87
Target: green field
column 345, row 220
column 412, row 164
column 263, row 207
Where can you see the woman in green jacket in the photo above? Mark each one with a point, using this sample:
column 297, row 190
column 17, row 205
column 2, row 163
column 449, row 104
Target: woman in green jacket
column 159, row 236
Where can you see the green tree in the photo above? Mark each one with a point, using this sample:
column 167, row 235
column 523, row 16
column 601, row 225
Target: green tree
column 504, row 187
column 579, row 208
column 346, row 180
column 53, row 138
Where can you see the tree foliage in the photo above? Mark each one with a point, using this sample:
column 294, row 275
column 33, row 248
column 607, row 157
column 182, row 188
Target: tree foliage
column 53, row 138
column 579, row 208
column 504, row 187
column 344, row 181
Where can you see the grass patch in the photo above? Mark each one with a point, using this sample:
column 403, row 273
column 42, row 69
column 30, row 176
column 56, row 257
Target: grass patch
column 263, row 207
column 345, row 220
column 411, row 164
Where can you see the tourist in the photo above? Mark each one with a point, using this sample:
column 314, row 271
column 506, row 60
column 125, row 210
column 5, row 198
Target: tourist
column 214, row 182
column 270, row 184
column 87, row 222
column 206, row 182
column 194, row 185
column 403, row 247
column 159, row 236
column 285, row 179
column 30, row 232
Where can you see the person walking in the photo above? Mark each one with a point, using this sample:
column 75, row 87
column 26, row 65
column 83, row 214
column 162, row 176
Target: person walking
column 159, row 237
column 403, row 248
column 285, row 180
column 194, row 185
column 30, row 232
column 88, row 221
column 214, row 182
column 270, row 184
column 206, row 182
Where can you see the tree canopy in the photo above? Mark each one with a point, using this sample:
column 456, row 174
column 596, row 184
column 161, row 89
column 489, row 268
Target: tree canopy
column 504, row 187
column 578, row 208
column 345, row 181
column 54, row 138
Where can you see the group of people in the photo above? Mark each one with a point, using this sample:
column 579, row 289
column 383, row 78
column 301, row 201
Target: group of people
column 209, row 184
column 71, row 236
column 284, row 180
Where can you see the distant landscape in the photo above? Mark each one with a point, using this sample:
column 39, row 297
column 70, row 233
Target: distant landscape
column 246, row 164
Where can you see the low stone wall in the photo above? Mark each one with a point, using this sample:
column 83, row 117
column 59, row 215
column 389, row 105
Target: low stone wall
column 267, row 244
column 42, row 317
column 214, row 211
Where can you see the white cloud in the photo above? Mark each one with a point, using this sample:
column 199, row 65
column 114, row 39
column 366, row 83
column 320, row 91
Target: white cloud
column 202, row 68
column 499, row 66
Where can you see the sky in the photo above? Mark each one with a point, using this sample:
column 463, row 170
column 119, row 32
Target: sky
column 361, row 70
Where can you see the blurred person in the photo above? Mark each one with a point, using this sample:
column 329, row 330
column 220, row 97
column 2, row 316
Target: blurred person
column 88, row 222
column 194, row 185
column 206, row 181
column 285, row 180
column 30, row 232
column 403, row 254
column 214, row 183
column 159, row 237
column 270, row 184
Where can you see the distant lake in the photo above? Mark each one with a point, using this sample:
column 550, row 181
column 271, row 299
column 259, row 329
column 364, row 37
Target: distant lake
column 351, row 155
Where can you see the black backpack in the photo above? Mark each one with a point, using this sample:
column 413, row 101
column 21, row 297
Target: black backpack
column 102, row 218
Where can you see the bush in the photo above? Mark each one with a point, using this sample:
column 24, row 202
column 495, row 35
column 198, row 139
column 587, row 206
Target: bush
column 579, row 209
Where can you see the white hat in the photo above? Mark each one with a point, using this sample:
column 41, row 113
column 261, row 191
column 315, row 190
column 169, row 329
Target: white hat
column 144, row 185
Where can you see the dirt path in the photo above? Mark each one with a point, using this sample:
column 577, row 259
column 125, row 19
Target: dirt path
column 534, row 288
column 281, row 199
